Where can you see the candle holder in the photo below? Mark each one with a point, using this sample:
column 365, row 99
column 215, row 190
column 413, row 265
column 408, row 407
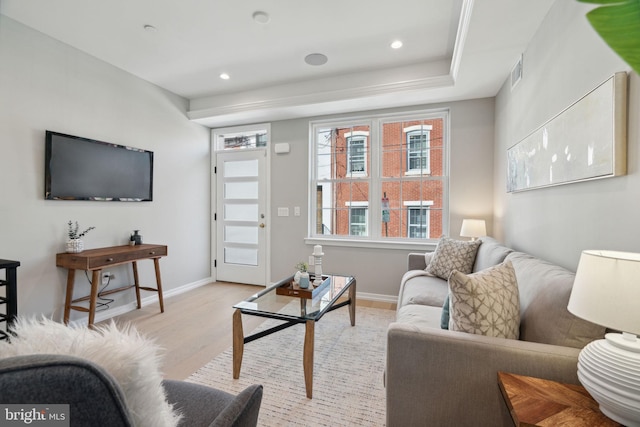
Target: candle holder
column 317, row 256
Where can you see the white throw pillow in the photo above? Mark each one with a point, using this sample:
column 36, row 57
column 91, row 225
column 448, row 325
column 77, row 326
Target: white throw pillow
column 131, row 359
column 486, row 302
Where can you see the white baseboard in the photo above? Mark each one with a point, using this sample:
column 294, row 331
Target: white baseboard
column 152, row 298
column 377, row 297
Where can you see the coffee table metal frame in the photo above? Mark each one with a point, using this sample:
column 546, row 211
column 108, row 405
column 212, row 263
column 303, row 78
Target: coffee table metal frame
column 251, row 307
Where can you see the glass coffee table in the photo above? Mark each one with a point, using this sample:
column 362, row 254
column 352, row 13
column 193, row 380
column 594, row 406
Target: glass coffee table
column 280, row 301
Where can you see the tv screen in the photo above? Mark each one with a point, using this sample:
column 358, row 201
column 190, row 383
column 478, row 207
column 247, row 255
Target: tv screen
column 85, row 169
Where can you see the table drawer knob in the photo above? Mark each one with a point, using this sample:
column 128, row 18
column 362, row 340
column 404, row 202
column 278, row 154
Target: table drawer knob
column 109, row 259
column 152, row 253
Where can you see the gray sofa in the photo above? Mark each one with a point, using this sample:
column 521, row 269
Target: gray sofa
column 95, row 399
column 439, row 377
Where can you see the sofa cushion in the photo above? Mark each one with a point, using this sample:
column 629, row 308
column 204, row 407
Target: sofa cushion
column 420, row 316
column 490, row 253
column 419, row 287
column 452, row 255
column 485, row 303
column 544, row 294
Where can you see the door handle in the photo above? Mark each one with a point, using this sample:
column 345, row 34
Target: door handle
column 262, row 225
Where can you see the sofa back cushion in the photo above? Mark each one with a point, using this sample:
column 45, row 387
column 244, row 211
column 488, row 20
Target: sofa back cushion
column 490, row 253
column 544, row 294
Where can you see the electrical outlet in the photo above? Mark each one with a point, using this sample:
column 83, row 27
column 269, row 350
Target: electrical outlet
column 106, row 276
column 312, row 260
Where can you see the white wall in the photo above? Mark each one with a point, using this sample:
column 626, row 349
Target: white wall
column 564, row 61
column 378, row 271
column 45, row 84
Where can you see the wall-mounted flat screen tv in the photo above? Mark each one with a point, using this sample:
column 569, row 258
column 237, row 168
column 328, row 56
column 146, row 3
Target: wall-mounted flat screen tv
column 85, row 169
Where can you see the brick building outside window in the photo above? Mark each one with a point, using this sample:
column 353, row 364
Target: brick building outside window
column 357, row 164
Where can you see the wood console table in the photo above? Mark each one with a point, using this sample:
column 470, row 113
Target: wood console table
column 95, row 260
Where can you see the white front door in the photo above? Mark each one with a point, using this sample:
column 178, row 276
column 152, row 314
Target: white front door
column 240, row 211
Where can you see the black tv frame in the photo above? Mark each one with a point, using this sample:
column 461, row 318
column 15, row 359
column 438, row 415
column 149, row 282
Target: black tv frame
column 98, row 172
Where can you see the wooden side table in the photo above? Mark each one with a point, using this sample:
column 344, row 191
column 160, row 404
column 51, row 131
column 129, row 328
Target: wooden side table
column 538, row 402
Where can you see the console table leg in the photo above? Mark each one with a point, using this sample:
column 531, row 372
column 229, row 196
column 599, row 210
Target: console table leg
column 309, row 338
column 136, row 282
column 95, row 283
column 238, row 343
column 156, row 263
column 71, row 277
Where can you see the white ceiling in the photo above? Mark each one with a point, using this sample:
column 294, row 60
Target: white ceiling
column 453, row 49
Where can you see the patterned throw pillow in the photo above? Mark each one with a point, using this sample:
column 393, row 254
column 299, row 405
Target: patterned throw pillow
column 453, row 255
column 486, row 302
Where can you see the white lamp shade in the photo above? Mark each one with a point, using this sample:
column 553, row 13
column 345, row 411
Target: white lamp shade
column 606, row 290
column 473, row 228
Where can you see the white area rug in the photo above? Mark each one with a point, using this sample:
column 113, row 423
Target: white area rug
column 348, row 387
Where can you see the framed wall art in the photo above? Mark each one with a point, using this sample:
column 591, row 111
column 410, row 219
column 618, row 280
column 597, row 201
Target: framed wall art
column 587, row 140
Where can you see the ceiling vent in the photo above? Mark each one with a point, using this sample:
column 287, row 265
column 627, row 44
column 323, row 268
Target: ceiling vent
column 516, row 73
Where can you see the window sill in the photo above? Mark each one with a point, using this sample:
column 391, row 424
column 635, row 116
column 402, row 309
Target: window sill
column 374, row 244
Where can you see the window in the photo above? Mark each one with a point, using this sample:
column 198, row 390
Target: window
column 358, row 221
column 418, row 148
column 417, row 223
column 356, row 163
column 241, row 137
column 356, row 153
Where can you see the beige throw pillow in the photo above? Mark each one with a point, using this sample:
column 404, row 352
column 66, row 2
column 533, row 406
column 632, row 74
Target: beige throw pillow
column 486, row 302
column 453, row 255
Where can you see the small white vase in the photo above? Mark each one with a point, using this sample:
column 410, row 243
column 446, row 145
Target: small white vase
column 303, row 281
column 75, row 246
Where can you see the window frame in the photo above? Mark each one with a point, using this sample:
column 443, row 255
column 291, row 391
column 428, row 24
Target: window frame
column 376, row 122
column 362, row 136
column 417, row 205
column 358, row 205
column 419, row 130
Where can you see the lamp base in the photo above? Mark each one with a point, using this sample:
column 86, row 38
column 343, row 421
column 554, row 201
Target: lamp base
column 609, row 370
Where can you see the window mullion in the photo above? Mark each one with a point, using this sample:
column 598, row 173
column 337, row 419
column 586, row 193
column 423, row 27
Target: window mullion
column 375, row 181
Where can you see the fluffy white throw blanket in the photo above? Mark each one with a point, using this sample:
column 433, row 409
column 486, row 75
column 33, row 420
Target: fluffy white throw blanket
column 130, row 358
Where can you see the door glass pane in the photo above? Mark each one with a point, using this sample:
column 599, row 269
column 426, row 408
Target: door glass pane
column 241, row 234
column 240, row 212
column 241, row 256
column 241, row 190
column 240, row 168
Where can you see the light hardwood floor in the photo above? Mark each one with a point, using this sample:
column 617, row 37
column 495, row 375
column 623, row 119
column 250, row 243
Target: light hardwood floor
column 196, row 326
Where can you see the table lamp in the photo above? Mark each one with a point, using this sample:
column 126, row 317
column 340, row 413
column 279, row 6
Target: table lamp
column 606, row 291
column 473, row 228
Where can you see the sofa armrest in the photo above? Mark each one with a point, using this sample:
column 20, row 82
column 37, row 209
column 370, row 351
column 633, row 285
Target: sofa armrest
column 418, row 261
column 440, row 377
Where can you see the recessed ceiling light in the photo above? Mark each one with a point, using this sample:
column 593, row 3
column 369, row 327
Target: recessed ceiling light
column 149, row 28
column 316, row 59
column 396, row 44
column 261, row 17
column 225, row 76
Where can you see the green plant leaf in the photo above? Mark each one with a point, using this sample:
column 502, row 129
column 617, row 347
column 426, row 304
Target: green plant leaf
column 618, row 23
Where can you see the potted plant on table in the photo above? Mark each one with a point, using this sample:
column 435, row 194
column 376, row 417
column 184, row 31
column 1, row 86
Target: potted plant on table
column 302, row 276
column 75, row 243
